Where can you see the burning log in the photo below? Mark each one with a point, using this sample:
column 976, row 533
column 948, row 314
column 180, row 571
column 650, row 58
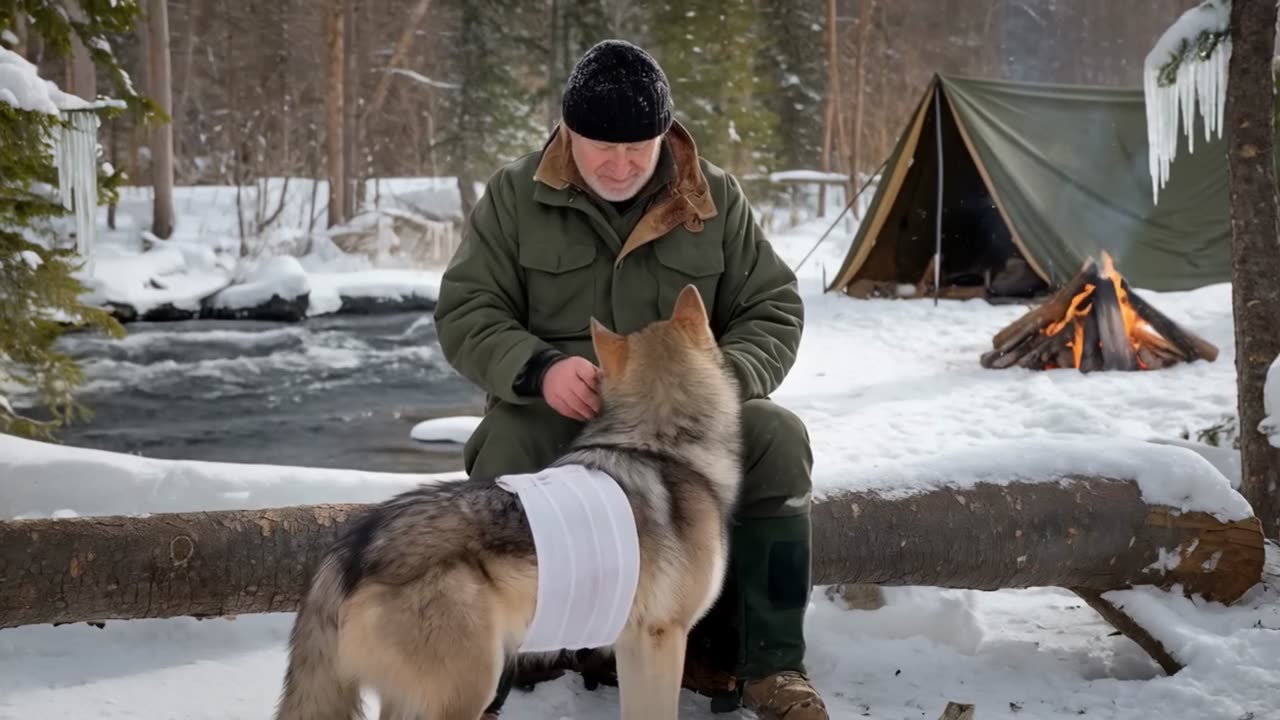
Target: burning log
column 1096, row 322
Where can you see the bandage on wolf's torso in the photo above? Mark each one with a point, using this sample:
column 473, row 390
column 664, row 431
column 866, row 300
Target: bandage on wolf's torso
column 588, row 552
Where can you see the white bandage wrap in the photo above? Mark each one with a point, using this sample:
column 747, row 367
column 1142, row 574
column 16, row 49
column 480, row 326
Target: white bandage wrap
column 588, row 550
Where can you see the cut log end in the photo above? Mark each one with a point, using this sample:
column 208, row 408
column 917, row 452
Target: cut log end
column 958, row 711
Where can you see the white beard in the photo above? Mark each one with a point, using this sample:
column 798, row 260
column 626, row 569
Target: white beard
column 625, row 194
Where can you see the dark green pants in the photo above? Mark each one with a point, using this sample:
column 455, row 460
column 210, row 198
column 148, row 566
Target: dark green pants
column 769, row 575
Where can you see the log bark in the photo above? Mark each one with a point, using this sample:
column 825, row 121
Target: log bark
column 1113, row 338
column 1084, row 532
column 1191, row 345
column 1046, row 349
column 1052, row 310
column 1120, row 620
column 1091, row 353
column 999, row 360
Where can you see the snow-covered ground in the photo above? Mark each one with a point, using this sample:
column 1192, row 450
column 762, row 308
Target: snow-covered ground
column 220, row 257
column 894, row 398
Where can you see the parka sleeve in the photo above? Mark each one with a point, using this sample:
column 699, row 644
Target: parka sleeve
column 761, row 313
column 479, row 313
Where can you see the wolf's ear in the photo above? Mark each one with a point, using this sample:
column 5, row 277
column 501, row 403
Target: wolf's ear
column 689, row 312
column 611, row 348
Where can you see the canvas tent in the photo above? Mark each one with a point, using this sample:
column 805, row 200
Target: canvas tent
column 1038, row 178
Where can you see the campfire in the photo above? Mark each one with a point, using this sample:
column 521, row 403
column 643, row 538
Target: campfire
column 1096, row 322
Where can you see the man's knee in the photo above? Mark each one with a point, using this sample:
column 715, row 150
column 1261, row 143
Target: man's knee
column 516, row 439
column 777, row 461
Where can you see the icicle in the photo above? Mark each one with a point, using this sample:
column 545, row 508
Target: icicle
column 76, row 158
column 1197, row 82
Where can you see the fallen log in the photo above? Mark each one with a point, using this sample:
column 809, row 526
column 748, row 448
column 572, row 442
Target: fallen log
column 1094, row 533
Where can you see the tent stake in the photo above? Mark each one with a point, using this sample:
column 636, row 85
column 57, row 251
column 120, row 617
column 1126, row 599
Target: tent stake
column 937, row 247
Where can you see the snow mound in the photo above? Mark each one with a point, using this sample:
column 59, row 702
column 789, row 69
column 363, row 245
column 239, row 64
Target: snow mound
column 328, row 288
column 278, row 276
column 445, row 430
column 180, row 274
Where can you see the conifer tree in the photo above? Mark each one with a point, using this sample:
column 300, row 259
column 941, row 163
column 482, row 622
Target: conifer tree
column 40, row 297
column 793, row 75
column 708, row 50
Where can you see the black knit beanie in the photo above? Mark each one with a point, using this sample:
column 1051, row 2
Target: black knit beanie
column 617, row 93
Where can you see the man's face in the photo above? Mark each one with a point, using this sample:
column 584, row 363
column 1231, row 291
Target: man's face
column 615, row 171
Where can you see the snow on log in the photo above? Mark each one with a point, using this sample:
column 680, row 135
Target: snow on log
column 1076, row 532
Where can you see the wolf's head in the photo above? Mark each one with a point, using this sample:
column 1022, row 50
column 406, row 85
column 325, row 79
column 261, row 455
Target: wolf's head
column 668, row 375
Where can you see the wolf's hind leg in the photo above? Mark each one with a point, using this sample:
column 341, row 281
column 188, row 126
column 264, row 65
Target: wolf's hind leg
column 650, row 669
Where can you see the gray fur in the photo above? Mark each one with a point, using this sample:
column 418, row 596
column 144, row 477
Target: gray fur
column 669, row 435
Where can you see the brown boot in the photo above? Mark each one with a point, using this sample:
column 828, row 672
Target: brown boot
column 787, row 695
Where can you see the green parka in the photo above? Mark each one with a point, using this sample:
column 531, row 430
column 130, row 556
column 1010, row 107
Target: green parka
column 540, row 255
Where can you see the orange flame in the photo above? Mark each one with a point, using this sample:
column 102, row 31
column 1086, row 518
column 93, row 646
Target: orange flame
column 1140, row 334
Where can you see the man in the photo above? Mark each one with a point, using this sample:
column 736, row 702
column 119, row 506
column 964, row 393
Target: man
column 611, row 219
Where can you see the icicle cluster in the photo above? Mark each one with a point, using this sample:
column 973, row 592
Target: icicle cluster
column 1178, row 75
column 76, row 155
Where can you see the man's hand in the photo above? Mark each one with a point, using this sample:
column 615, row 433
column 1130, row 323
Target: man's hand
column 569, row 387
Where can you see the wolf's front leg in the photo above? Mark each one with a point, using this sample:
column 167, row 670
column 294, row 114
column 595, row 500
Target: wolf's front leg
column 650, row 668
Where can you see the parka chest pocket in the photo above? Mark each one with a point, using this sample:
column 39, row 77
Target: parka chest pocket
column 560, row 282
column 685, row 259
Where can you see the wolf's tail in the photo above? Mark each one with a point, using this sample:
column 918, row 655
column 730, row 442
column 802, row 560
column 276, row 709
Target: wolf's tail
column 313, row 687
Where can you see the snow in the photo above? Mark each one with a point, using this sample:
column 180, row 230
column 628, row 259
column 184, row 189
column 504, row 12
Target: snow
column 178, row 273
column 445, row 430
column 895, row 401
column 1165, row 474
column 43, row 478
column 327, row 288
column 1202, row 82
column 1270, row 425
column 279, row 276
column 22, row 87
column 201, row 263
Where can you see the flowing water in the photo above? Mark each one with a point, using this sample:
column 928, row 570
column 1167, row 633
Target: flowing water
column 333, row 391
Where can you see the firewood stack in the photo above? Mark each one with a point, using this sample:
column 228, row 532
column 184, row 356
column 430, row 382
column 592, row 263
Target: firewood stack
column 1096, row 322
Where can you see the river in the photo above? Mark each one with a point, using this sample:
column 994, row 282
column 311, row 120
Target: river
column 333, row 391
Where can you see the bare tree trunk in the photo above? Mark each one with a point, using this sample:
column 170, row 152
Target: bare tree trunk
column 864, row 37
column 351, row 96
column 82, row 76
column 161, row 90
column 832, row 95
column 1087, row 532
column 334, row 111
column 192, row 25
column 398, row 54
column 1255, row 232
column 20, row 30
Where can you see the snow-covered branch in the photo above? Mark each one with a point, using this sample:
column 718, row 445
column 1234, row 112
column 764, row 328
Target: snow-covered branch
column 1188, row 65
column 423, row 79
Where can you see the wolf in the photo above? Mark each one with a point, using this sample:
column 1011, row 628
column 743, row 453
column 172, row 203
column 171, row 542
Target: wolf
column 431, row 592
